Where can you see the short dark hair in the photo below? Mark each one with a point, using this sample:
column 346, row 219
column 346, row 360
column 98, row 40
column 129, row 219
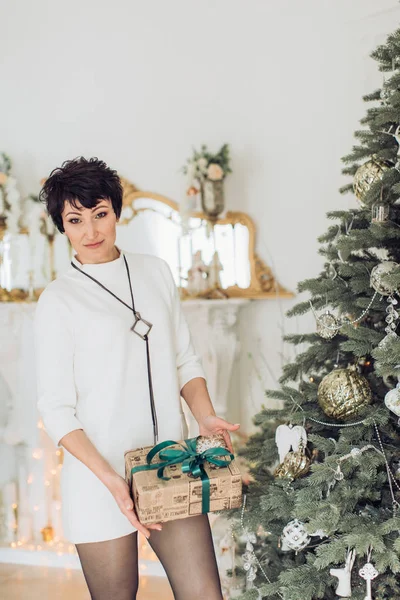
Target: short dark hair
column 86, row 180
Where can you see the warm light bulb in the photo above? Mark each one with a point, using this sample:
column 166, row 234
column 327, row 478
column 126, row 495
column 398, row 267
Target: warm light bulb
column 13, row 545
column 53, row 472
column 37, row 454
column 40, row 424
column 58, row 452
column 30, row 479
column 14, row 505
column 36, row 507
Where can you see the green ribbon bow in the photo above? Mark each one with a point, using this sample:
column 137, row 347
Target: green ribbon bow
column 192, row 463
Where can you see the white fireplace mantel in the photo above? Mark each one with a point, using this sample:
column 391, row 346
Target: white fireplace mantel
column 214, row 328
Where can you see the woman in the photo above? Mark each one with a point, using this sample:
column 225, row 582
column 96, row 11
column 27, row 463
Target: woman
column 94, row 394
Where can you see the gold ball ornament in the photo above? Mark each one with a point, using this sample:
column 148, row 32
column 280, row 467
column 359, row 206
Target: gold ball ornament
column 342, row 393
column 295, row 465
column 368, row 174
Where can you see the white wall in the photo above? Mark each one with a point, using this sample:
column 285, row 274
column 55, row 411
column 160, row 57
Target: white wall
column 139, row 83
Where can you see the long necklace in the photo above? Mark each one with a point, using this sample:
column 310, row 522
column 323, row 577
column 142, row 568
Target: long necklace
column 142, row 328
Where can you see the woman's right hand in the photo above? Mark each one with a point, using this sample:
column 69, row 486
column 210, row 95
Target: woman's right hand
column 120, row 490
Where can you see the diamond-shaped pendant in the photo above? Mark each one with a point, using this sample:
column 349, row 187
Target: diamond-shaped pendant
column 141, row 327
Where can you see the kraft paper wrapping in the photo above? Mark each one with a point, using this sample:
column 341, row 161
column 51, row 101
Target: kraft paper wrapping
column 157, row 500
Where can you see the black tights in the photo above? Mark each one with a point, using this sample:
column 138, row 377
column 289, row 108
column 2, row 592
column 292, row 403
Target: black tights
column 184, row 548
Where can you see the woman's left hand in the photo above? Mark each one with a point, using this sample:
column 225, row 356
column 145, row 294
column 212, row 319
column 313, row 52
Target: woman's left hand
column 212, row 424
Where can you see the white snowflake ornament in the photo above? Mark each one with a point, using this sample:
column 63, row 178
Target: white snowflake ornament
column 295, row 536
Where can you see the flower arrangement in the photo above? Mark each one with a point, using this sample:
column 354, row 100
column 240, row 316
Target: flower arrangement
column 204, row 165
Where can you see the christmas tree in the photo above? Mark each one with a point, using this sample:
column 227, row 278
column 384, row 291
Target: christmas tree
column 321, row 516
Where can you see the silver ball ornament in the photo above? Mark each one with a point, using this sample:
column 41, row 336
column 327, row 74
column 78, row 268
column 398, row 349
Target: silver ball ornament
column 378, row 272
column 327, row 326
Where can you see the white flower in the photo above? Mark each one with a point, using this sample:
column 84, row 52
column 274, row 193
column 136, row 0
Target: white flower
column 202, row 164
column 215, row 172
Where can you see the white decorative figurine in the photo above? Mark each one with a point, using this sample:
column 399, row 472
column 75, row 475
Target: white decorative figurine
column 214, row 269
column 197, row 282
column 288, row 437
column 344, row 575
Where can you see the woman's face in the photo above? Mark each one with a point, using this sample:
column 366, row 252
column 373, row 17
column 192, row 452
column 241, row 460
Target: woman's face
column 87, row 226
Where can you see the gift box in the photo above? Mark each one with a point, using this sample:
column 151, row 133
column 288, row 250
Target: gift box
column 175, row 480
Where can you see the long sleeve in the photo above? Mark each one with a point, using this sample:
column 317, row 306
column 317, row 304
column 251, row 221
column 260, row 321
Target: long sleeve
column 54, row 343
column 188, row 362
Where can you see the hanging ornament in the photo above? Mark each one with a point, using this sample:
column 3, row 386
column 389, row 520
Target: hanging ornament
column 294, row 536
column 368, row 174
column 378, row 274
column 392, row 316
column 392, row 400
column 327, row 325
column 380, row 213
column 386, row 93
column 295, row 464
column 344, row 575
column 393, row 129
column 342, row 393
column 339, row 476
column 385, row 289
column 250, row 561
column 368, row 572
column 289, row 438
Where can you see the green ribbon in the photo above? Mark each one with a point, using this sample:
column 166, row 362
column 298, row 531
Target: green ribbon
column 192, row 463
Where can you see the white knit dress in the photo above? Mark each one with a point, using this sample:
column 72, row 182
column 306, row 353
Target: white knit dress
column 92, row 375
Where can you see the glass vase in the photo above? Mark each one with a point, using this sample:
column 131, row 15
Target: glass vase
column 212, row 197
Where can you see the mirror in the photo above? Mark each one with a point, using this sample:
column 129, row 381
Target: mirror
column 151, row 223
